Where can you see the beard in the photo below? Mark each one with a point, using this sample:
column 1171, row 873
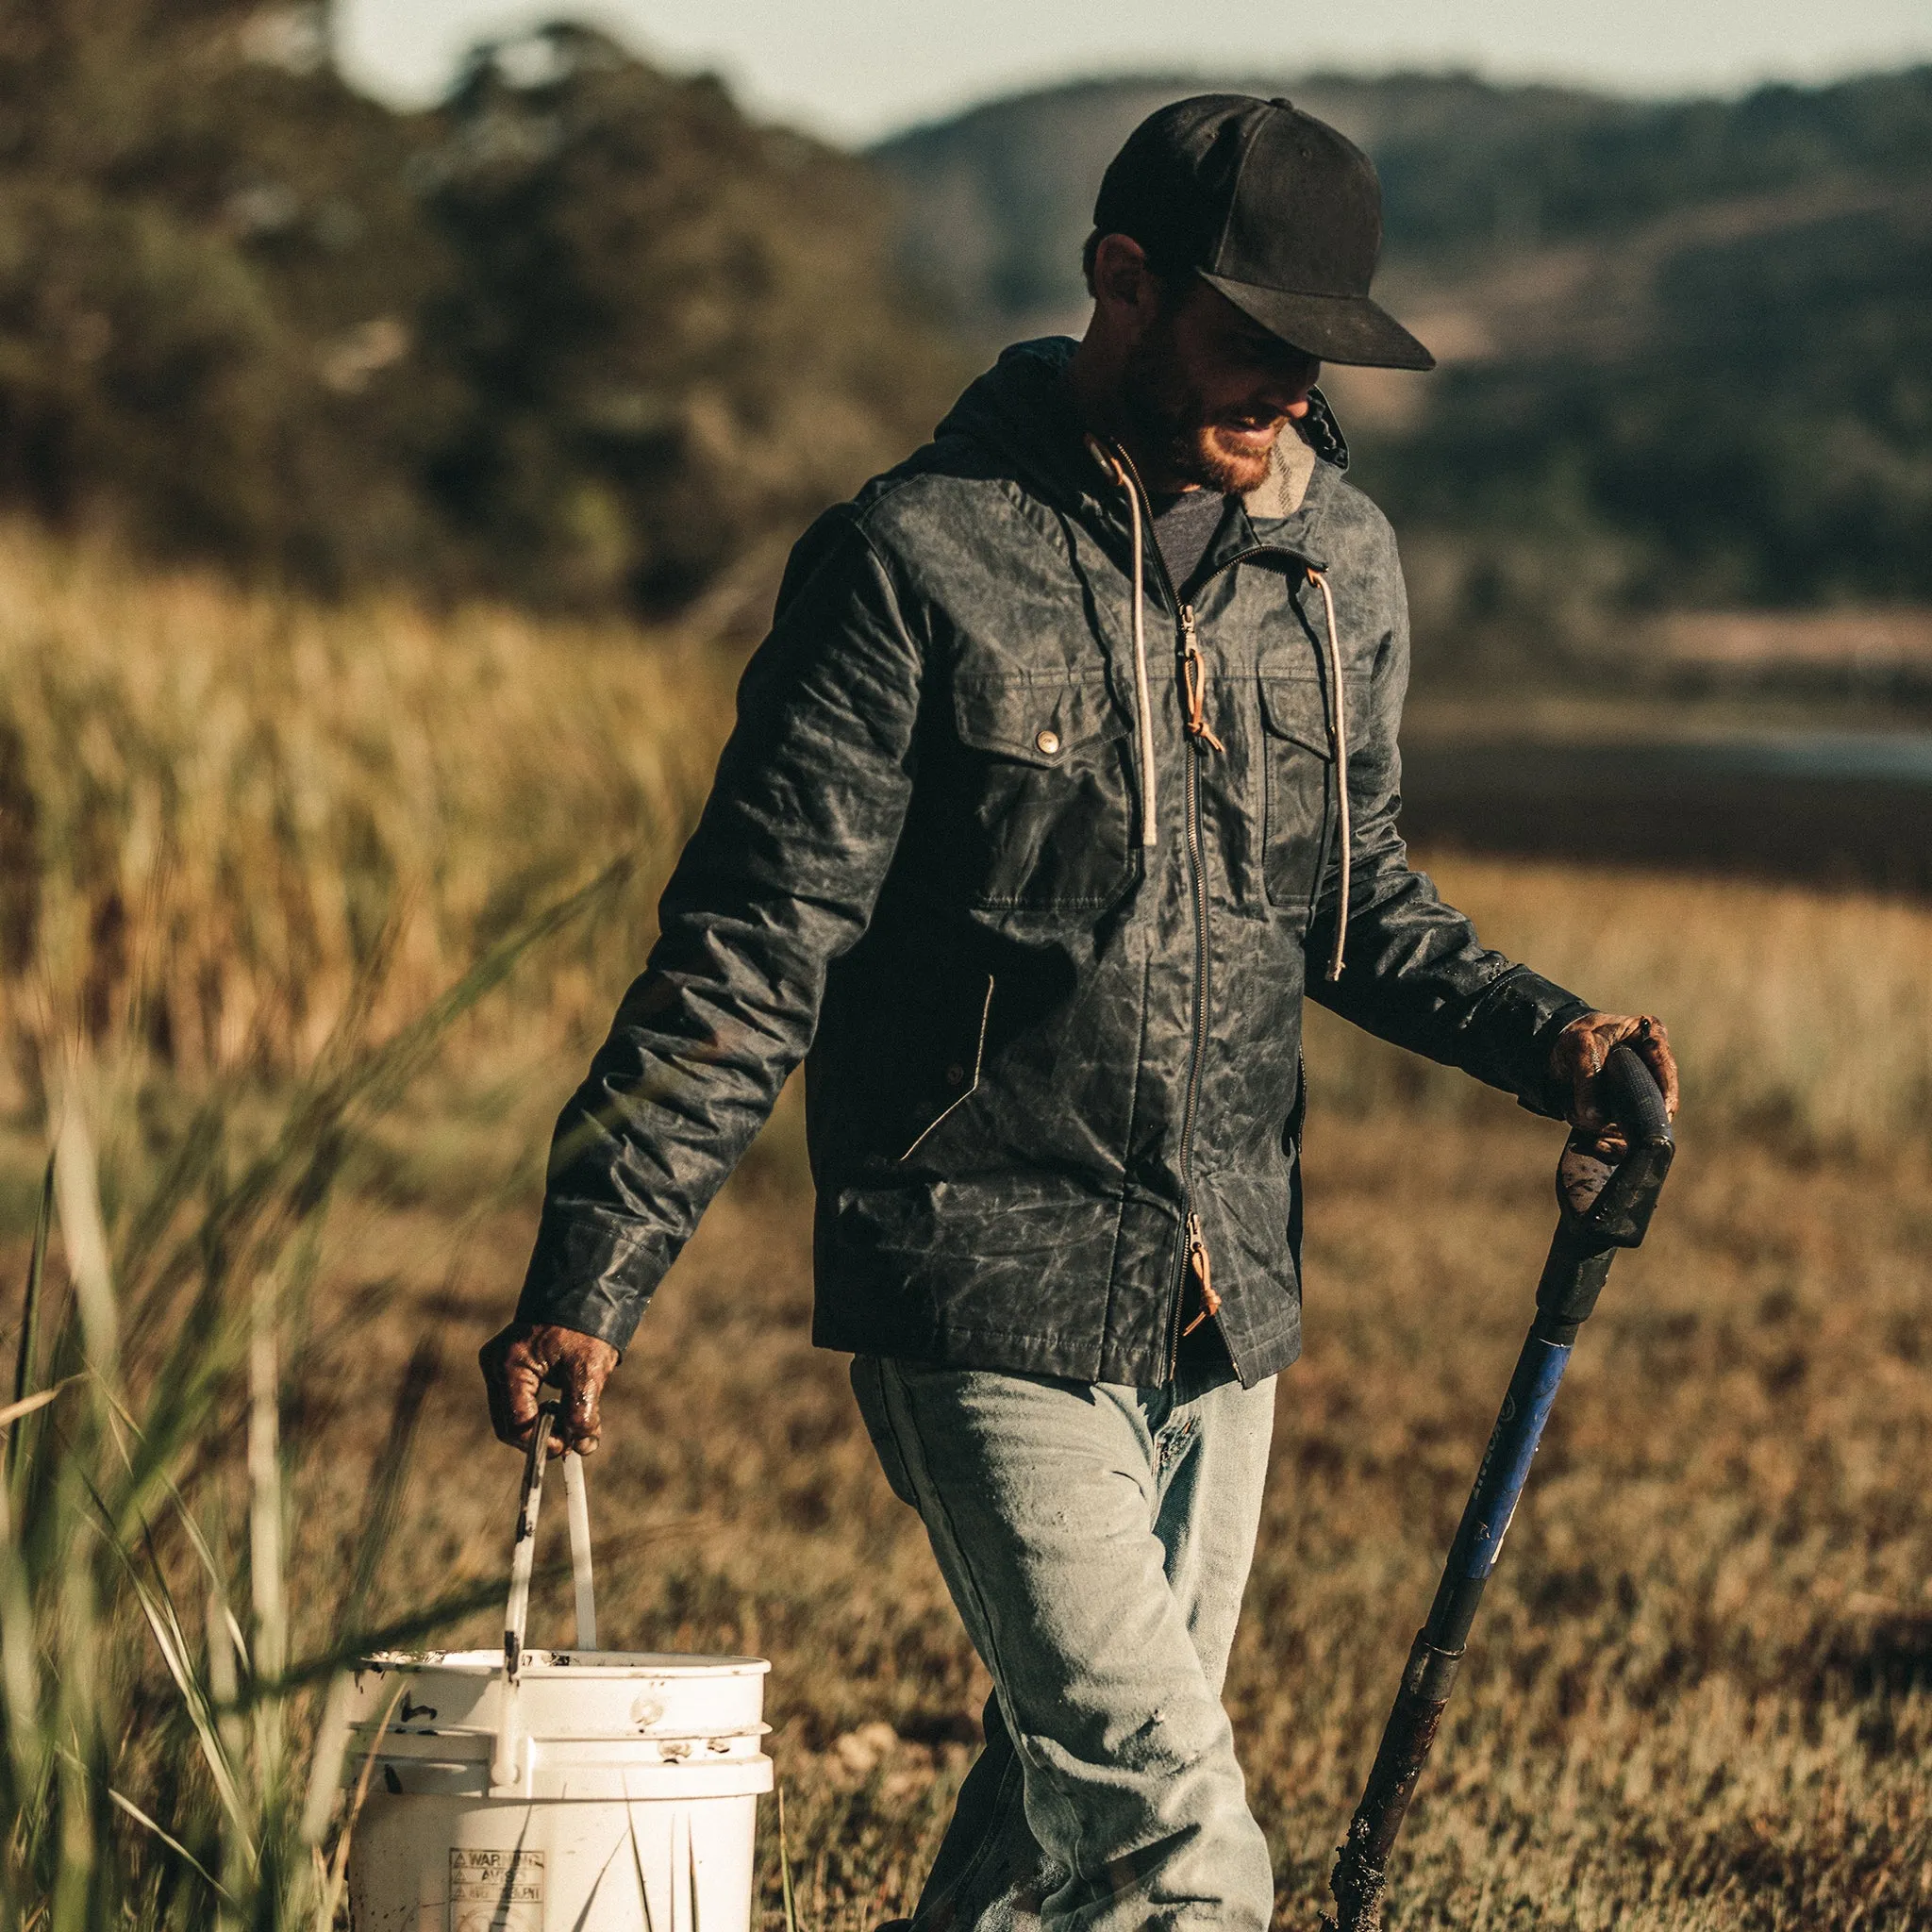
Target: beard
column 1171, row 420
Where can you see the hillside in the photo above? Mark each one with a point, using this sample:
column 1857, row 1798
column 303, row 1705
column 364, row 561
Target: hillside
column 1686, row 346
column 588, row 336
column 997, row 200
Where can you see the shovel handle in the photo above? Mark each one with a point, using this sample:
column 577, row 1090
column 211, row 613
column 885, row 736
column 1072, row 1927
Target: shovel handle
column 1604, row 1206
column 1611, row 1208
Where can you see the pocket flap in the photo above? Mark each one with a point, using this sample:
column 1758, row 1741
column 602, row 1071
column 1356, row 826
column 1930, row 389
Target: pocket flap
column 1037, row 724
column 1296, row 708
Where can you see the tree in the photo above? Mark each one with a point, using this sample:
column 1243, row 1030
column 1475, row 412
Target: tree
column 678, row 333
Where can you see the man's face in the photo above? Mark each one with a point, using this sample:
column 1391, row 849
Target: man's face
column 1208, row 391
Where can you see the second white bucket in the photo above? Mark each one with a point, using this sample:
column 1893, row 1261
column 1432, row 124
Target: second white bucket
column 535, row 1790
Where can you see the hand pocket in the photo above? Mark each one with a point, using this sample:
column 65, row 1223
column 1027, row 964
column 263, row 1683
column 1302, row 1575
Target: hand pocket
column 955, row 1082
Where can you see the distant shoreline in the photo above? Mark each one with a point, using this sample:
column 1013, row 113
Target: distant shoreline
column 1833, row 807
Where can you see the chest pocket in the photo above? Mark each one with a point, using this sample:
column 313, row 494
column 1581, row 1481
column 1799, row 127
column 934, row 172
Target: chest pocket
column 1297, row 775
column 1045, row 781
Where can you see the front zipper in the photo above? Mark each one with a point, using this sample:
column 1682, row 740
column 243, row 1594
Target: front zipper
column 1187, row 658
column 1202, row 1265
column 1194, row 1257
column 1194, row 684
column 1195, row 1249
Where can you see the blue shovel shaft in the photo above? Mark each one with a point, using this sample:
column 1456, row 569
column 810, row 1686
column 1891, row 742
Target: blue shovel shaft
column 1571, row 1279
column 1491, row 1506
column 1430, row 1672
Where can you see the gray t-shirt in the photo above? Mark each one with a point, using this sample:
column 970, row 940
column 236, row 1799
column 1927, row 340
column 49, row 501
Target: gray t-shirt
column 1184, row 527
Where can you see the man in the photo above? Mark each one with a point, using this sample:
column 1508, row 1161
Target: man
column 1069, row 762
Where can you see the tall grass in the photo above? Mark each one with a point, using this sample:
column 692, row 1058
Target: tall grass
column 225, row 817
column 260, row 866
column 1800, row 1016
column 163, row 1670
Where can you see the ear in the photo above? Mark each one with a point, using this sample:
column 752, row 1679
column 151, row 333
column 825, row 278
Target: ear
column 1124, row 286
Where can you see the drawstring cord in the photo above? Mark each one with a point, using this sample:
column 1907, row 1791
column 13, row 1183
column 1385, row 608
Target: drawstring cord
column 1143, row 702
column 1339, row 732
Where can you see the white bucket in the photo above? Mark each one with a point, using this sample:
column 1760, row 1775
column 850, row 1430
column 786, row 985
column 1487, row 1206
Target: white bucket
column 594, row 1790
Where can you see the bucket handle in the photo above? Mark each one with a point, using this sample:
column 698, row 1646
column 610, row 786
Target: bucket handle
column 506, row 1764
column 523, row 1551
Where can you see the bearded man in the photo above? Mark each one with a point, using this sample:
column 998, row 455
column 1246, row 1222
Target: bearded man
column 1068, row 767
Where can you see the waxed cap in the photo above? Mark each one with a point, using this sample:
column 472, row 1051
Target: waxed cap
column 1273, row 208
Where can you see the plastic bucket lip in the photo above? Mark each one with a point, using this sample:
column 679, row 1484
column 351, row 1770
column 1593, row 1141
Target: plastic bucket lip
column 576, row 1663
column 659, row 1702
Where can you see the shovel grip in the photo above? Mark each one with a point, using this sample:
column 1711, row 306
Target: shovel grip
column 1636, row 1101
column 1604, row 1206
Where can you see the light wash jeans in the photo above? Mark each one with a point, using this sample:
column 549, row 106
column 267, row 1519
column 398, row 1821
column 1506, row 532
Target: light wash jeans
column 1096, row 1540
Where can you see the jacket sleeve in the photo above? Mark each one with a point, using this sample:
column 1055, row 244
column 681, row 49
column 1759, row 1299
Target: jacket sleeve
column 1415, row 972
column 777, row 880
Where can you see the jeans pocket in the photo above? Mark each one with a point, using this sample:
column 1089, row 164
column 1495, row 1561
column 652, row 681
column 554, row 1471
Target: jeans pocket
column 868, row 1385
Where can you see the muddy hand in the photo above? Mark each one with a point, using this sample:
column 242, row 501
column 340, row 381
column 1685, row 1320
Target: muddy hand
column 520, row 1361
column 1578, row 1057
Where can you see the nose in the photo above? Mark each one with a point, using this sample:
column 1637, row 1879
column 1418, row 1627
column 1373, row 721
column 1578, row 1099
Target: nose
column 1286, row 391
column 1279, row 400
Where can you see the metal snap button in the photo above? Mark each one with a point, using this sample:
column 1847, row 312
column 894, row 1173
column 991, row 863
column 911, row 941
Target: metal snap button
column 1048, row 741
column 955, row 1073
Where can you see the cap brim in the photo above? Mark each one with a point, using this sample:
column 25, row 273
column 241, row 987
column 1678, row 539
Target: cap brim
column 1349, row 329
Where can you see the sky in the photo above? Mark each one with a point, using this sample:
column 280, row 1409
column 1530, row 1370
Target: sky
column 853, row 70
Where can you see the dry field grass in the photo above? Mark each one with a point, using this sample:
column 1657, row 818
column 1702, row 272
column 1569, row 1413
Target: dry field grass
column 1701, row 1691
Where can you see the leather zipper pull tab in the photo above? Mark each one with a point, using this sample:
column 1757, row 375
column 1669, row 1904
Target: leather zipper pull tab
column 1202, row 1270
column 1194, row 680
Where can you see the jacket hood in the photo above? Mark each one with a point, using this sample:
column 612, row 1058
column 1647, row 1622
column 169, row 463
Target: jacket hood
column 1023, row 409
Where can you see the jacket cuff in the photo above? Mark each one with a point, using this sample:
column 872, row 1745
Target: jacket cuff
column 1551, row 1097
column 592, row 1274
column 1515, row 1022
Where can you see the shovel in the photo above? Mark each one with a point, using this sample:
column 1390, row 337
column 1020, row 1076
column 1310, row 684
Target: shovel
column 1603, row 1207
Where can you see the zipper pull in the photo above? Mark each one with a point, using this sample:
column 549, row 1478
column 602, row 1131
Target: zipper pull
column 1194, row 681
column 1203, row 1270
